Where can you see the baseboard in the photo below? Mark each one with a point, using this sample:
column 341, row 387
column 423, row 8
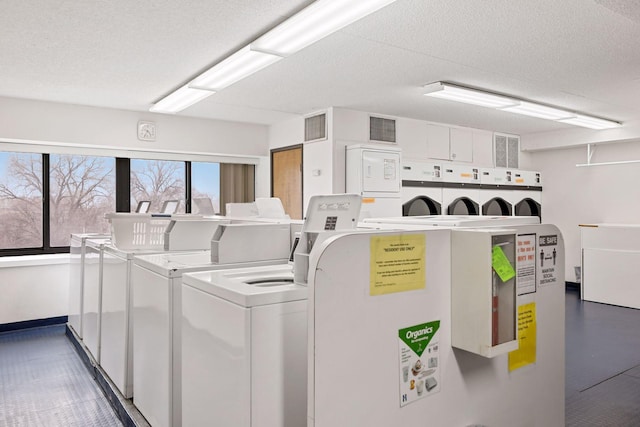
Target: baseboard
column 124, row 408
column 28, row 324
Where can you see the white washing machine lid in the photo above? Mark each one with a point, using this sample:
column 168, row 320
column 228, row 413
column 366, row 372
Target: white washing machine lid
column 130, row 254
column 249, row 287
column 173, row 264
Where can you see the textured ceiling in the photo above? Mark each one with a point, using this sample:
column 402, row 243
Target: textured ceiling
column 577, row 54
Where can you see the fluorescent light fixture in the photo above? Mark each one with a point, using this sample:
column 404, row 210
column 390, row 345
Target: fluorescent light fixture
column 468, row 96
column 514, row 105
column 321, row 18
column 591, row 122
column 540, row 111
column 241, row 64
column 179, row 99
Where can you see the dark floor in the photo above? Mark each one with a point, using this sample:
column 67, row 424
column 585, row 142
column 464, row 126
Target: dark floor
column 44, row 383
column 602, row 364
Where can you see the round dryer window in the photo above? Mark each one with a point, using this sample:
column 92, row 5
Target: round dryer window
column 497, row 207
column 421, row 206
column 463, row 206
column 528, row 207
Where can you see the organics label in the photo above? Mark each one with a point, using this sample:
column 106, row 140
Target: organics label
column 419, row 367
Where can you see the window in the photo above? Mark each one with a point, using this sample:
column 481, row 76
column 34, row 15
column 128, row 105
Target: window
column 21, row 215
column 205, row 188
column 157, row 181
column 44, row 198
column 81, row 191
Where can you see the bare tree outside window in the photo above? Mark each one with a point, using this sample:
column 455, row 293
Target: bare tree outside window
column 157, row 181
column 20, row 200
column 205, row 185
column 82, row 190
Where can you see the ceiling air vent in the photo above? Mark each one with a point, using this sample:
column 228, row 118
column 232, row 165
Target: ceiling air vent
column 315, row 127
column 383, row 130
column 506, row 150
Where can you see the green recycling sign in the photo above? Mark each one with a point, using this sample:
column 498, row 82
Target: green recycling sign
column 419, row 357
column 418, row 337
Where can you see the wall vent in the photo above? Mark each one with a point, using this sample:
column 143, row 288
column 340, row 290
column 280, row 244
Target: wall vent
column 315, row 127
column 506, row 151
column 381, row 129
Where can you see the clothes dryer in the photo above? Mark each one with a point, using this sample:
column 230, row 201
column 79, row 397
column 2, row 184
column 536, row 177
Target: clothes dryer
column 421, row 188
column 244, row 348
column 529, row 194
column 497, row 196
column 461, row 190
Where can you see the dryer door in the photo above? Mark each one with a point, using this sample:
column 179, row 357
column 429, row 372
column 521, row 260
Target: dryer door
column 463, row 206
column 528, row 207
column 497, row 207
column 421, row 206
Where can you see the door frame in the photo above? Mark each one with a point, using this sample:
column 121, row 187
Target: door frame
column 287, row 148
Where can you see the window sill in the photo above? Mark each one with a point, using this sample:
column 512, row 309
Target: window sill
column 33, row 260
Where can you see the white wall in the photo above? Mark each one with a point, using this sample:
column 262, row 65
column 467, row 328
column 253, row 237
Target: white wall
column 30, row 291
column 348, row 127
column 595, row 194
column 36, row 292
column 53, row 122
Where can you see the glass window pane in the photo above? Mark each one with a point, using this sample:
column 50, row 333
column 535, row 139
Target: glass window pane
column 157, row 181
column 20, row 200
column 82, row 190
column 205, row 188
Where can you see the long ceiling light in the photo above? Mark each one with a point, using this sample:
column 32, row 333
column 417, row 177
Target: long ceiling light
column 514, row 105
column 316, row 21
column 179, row 99
column 236, row 67
column 468, row 96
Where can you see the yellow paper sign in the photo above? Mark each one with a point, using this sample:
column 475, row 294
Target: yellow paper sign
column 501, row 264
column 397, row 263
column 526, row 353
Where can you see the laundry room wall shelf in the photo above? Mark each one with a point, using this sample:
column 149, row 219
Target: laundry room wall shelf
column 590, row 152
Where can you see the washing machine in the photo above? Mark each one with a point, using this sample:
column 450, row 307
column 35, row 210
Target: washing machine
column 92, row 295
column 184, row 233
column 244, row 348
column 157, row 309
column 461, row 190
column 496, row 194
column 421, row 191
column 529, row 194
column 77, row 252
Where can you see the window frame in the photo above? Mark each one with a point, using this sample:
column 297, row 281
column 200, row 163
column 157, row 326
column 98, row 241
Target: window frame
column 122, row 177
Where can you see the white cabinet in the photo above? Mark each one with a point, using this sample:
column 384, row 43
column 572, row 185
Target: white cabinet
column 449, row 143
column 483, row 291
column 437, row 142
column 461, row 145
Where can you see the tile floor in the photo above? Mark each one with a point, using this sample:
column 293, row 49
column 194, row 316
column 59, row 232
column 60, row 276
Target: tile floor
column 43, row 382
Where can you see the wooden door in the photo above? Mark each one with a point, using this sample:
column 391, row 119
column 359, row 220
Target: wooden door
column 286, row 179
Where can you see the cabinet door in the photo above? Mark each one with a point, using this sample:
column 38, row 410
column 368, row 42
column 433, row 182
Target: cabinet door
column 461, row 145
column 437, row 142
